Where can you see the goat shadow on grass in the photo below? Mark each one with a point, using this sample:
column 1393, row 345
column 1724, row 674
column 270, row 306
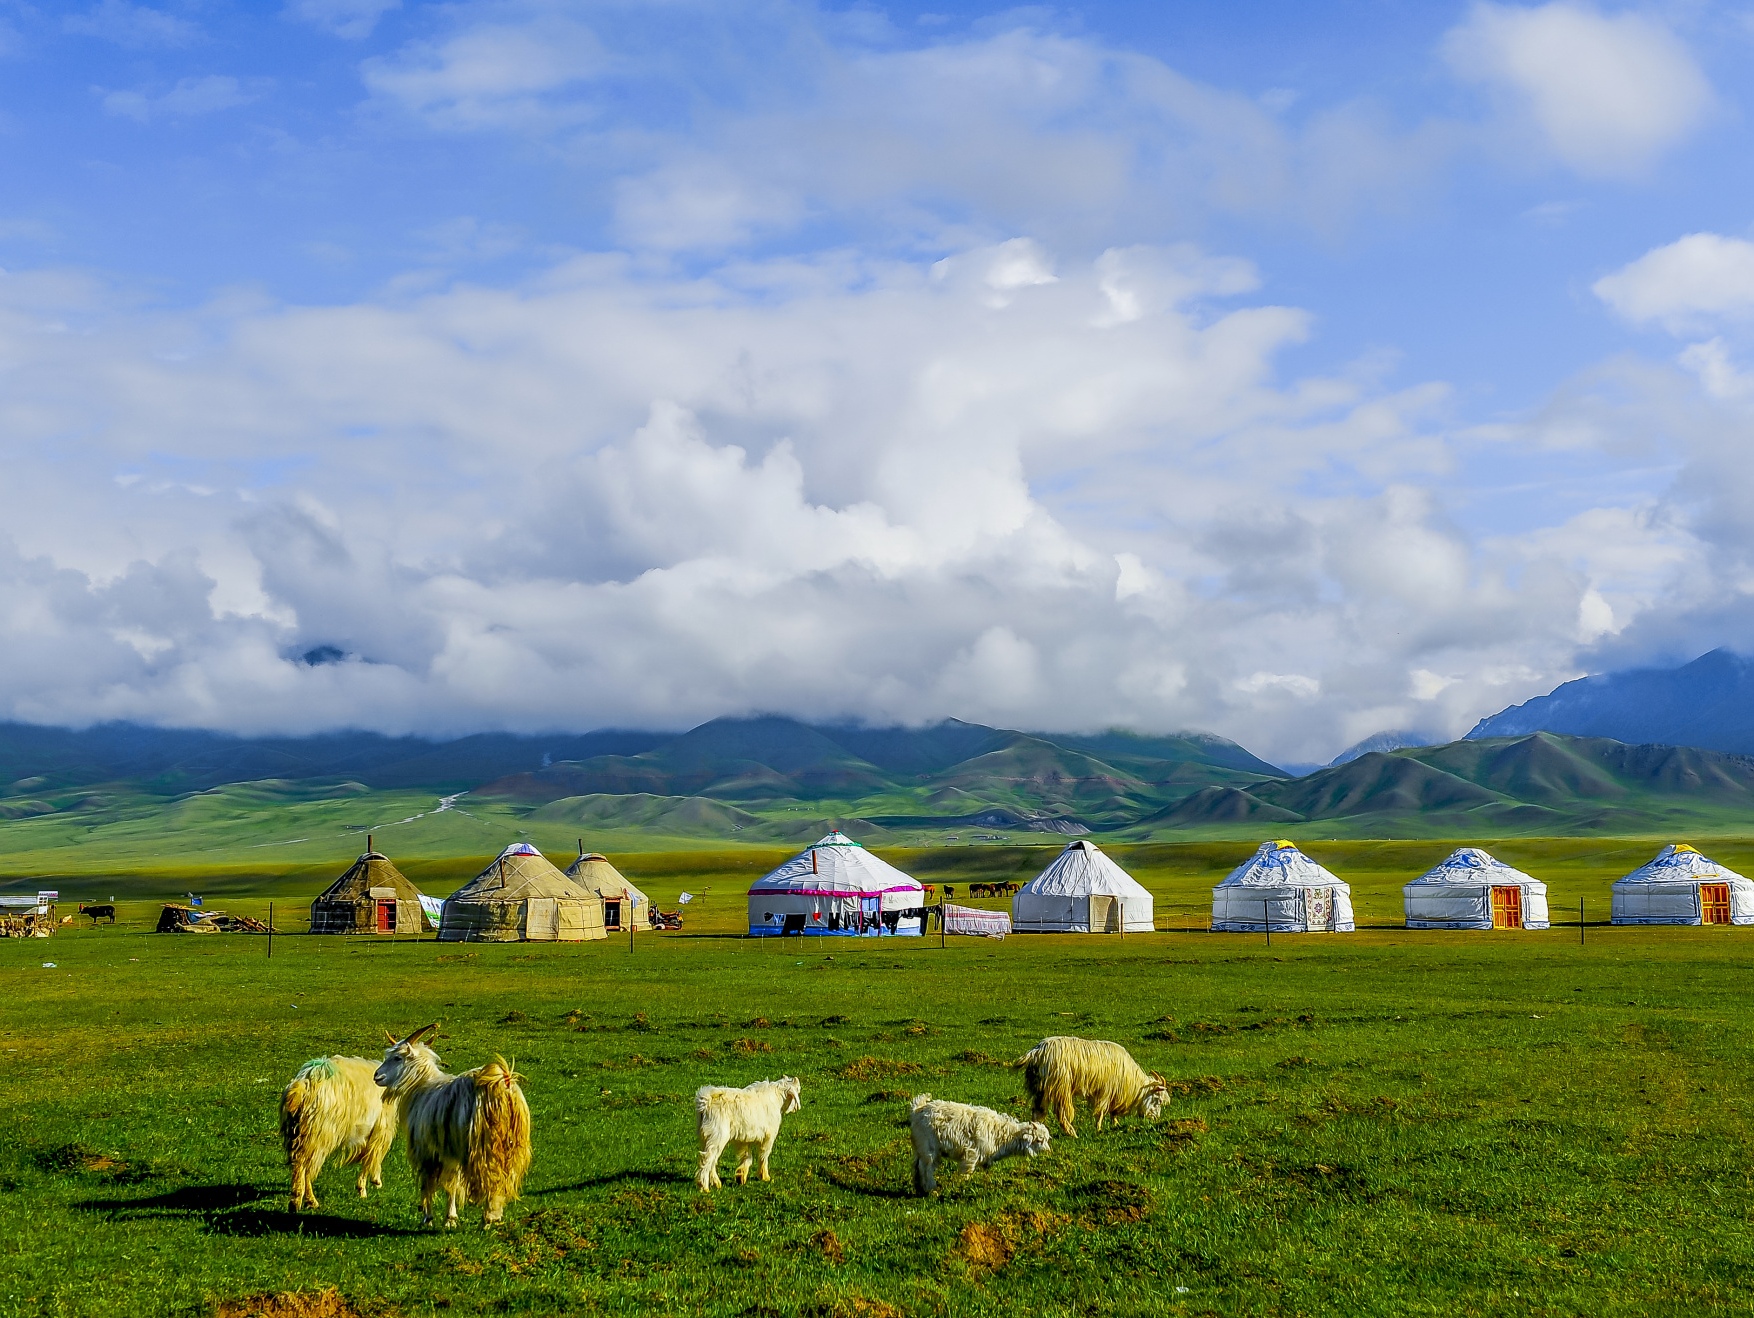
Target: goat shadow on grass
column 614, row 1178
column 225, row 1210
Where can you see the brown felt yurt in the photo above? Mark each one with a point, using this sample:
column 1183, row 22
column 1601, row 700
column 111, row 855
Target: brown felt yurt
column 624, row 906
column 373, row 897
column 522, row 897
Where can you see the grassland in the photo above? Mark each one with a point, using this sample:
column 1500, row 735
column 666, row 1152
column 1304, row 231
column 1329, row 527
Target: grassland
column 1381, row 1123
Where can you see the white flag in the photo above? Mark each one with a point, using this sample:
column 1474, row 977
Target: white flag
column 685, row 898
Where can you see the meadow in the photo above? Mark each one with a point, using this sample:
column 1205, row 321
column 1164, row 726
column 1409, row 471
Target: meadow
column 1382, row 1123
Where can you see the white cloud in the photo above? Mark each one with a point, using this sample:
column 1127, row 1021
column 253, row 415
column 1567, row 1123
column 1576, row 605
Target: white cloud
column 1608, row 94
column 1696, row 280
column 190, row 96
column 493, row 74
column 349, row 19
column 132, row 25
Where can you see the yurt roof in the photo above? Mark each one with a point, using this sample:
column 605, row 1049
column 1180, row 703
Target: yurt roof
column 1279, row 864
column 371, row 870
column 1680, row 863
column 836, row 866
column 517, row 873
column 598, row 874
column 1472, row 867
column 1080, row 870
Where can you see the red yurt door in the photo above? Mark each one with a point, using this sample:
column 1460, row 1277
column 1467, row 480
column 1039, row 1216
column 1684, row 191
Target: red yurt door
column 1507, row 908
column 1714, row 903
column 386, row 917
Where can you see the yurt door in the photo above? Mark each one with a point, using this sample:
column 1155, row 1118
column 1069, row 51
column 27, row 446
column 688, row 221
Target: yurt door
column 1104, row 914
column 542, row 919
column 1507, row 908
column 386, row 917
column 1714, row 903
column 612, row 915
column 1318, row 910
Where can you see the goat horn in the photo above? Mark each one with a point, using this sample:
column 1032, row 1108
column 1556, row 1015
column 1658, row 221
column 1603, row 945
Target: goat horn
column 392, row 1038
column 424, row 1029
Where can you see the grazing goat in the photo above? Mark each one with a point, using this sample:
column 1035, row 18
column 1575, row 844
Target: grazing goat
column 1062, row 1068
column 747, row 1117
column 975, row 1137
column 105, row 912
column 333, row 1105
column 468, row 1134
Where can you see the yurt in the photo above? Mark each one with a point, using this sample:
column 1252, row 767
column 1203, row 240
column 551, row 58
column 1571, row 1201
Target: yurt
column 373, row 897
column 1475, row 890
column 521, row 897
column 624, row 906
column 1082, row 892
column 837, row 887
column 1281, row 890
column 1681, row 886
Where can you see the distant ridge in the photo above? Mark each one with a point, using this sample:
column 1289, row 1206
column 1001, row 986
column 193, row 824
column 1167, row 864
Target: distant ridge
column 1707, row 703
column 1381, row 741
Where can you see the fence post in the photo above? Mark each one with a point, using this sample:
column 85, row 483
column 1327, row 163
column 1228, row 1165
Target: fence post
column 1267, row 911
column 1580, row 921
column 270, row 930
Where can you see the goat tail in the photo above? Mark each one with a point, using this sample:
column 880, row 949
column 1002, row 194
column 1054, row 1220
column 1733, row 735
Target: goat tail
column 297, row 1101
column 499, row 1135
column 920, row 1101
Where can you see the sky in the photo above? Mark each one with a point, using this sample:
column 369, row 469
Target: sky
column 1288, row 371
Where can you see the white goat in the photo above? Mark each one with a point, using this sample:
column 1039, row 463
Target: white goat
column 976, row 1137
column 468, row 1134
column 1063, row 1068
column 747, row 1117
column 333, row 1106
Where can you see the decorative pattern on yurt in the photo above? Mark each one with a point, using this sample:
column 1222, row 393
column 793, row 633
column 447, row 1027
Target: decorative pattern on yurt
column 837, row 887
column 1281, row 890
column 1082, row 891
column 624, row 906
column 1472, row 889
column 372, row 897
column 521, row 897
column 1680, row 886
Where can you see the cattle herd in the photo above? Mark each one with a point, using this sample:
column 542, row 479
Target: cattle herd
column 469, row 1134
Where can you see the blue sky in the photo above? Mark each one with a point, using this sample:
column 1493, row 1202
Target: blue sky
column 1287, row 370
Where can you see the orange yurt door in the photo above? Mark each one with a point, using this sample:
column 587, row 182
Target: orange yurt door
column 1507, row 908
column 1714, row 903
column 386, row 917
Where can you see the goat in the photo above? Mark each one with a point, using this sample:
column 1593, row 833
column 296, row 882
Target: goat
column 747, row 1117
column 468, row 1134
column 976, row 1137
column 104, row 912
column 334, row 1106
column 1061, row 1069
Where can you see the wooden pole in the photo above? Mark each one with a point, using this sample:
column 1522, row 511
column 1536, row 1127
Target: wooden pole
column 1580, row 921
column 270, row 930
column 1267, row 910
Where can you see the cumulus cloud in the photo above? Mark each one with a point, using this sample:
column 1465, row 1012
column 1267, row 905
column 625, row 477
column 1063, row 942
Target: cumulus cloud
column 1607, row 93
column 1011, row 485
column 190, row 96
column 1694, row 281
column 352, row 20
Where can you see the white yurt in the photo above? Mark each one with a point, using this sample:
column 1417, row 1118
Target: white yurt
column 1281, row 890
column 1681, row 886
column 1473, row 889
column 837, row 887
column 1082, row 892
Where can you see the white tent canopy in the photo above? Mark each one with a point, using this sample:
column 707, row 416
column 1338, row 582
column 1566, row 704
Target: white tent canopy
column 1082, row 892
column 1473, row 889
column 835, row 886
column 1680, row 886
column 1281, row 890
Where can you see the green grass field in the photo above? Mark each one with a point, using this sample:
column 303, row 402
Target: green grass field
column 1381, row 1123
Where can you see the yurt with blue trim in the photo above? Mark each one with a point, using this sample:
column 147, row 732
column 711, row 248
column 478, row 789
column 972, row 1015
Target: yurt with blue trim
column 1473, row 889
column 1680, row 886
column 1279, row 890
column 836, row 887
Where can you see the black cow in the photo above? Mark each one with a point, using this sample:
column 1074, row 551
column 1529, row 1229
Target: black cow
column 104, row 912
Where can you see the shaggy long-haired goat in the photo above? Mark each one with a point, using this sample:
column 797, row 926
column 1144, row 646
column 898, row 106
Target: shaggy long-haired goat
column 1061, row 1069
column 975, row 1137
column 747, row 1117
column 333, row 1105
column 468, row 1134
